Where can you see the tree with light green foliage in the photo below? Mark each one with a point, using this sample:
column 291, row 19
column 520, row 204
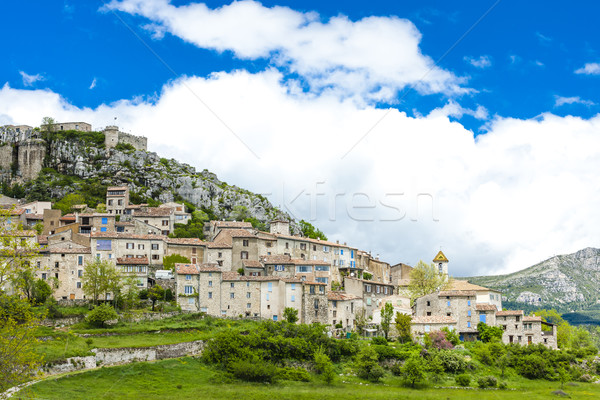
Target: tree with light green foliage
column 170, row 261
column 309, row 231
column 413, row 370
column 403, row 327
column 387, row 313
column 100, row 277
column 65, row 205
column 290, row 314
column 425, row 279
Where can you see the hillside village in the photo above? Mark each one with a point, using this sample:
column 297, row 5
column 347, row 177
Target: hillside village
column 239, row 271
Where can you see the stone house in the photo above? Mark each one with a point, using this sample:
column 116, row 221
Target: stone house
column 421, row 325
column 371, row 292
column 207, row 289
column 69, row 126
column 94, row 222
column 64, row 265
column 213, row 228
column 191, row 248
column 162, row 218
column 136, row 268
column 51, row 221
column 117, row 199
column 342, row 309
column 113, row 245
column 219, row 253
column 181, row 216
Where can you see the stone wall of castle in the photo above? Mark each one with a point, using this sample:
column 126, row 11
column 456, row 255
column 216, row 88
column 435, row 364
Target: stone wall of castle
column 30, row 158
column 112, row 137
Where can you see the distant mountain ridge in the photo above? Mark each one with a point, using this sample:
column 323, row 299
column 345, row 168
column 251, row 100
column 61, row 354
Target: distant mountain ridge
column 565, row 282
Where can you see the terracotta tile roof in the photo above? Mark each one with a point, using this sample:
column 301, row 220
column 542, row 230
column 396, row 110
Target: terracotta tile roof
column 234, row 276
column 132, row 261
column 266, row 236
column 66, row 250
column 187, row 269
column 341, row 296
column 457, row 293
column 218, row 245
column 532, row 318
column 124, row 223
column 185, row 241
column 369, row 282
column 209, row 267
column 117, row 188
column 237, row 233
column 456, row 284
column 509, row 312
column 17, row 211
column 124, row 235
column 277, row 259
column 433, row 319
column 42, row 239
column 251, row 264
column 95, row 215
column 153, row 212
column 486, row 307
column 23, row 233
column 315, row 241
column 67, row 217
column 231, row 224
column 34, row 216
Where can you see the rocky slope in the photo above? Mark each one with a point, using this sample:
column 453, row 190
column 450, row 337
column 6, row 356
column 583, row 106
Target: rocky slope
column 80, row 165
column 566, row 282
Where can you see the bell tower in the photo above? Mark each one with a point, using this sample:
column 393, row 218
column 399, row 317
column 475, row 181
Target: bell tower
column 441, row 262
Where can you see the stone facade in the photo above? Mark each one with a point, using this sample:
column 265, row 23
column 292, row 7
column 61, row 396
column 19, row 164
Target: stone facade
column 69, row 126
column 342, row 309
column 112, row 137
column 117, row 199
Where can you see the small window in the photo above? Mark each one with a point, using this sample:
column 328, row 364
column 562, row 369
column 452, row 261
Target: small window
column 154, row 246
column 245, row 242
column 244, row 255
column 210, row 295
column 248, row 294
column 104, row 220
column 293, row 298
column 188, row 277
column 232, row 285
column 232, row 295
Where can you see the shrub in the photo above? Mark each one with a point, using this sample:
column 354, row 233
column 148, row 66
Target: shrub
column 367, row 366
column 293, row 374
column 532, row 366
column 379, row 340
column 413, row 370
column 290, row 314
column 437, row 340
column 99, row 315
column 463, row 380
column 486, row 381
column 502, row 385
column 253, row 370
column 386, row 352
column 324, row 366
column 453, row 362
column 451, row 336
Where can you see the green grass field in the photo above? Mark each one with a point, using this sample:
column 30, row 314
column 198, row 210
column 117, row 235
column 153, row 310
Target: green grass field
column 59, row 345
column 190, row 378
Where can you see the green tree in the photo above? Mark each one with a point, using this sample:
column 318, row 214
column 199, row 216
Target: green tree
column 367, row 366
column 18, row 359
column 425, row 279
column 155, row 293
column 403, row 327
column 309, row 231
column 290, row 314
column 18, row 251
column 170, row 261
column 130, row 292
column 563, row 376
column 65, row 205
column 451, row 335
column 48, row 124
column 100, row 314
column 324, row 366
column 413, row 370
column 100, row 277
column 387, row 313
column 41, row 291
column 489, row 333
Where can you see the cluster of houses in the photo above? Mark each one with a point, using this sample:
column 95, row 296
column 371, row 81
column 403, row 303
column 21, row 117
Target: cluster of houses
column 238, row 271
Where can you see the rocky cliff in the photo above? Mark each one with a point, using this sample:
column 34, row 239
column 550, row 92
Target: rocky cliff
column 79, row 162
column 566, row 282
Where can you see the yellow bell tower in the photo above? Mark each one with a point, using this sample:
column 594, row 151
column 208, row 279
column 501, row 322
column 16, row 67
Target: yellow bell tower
column 441, row 262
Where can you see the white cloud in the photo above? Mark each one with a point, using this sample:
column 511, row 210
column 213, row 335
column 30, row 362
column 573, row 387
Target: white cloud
column 29, row 80
column 481, row 62
column 589, row 69
column 560, row 101
column 374, row 57
column 522, row 192
column 93, row 84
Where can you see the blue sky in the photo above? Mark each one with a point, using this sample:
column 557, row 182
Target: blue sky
column 533, row 49
column 490, row 154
